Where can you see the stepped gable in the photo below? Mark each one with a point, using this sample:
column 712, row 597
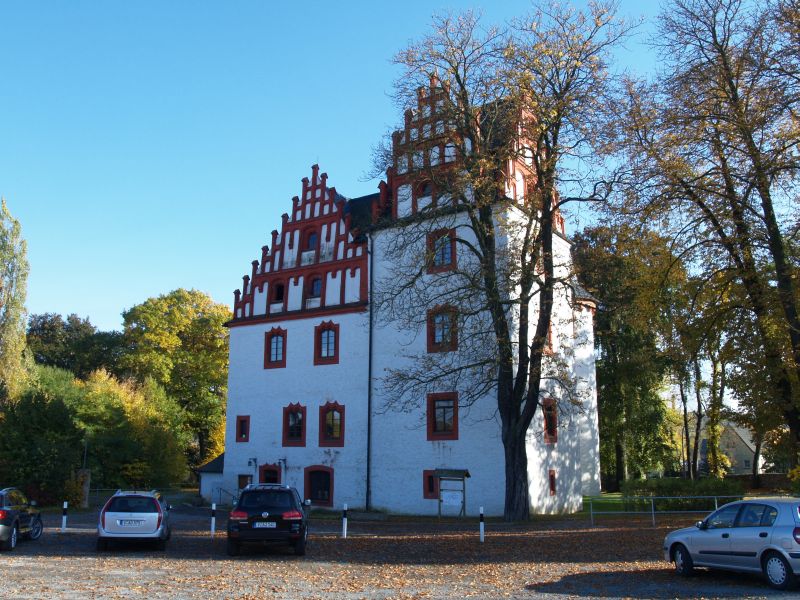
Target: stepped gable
column 318, row 238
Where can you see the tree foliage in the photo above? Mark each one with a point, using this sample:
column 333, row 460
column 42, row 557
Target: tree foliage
column 179, row 340
column 13, row 281
column 73, row 344
column 712, row 149
column 39, row 444
column 629, row 273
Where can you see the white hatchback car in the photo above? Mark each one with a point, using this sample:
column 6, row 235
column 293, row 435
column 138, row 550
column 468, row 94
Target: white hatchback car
column 134, row 516
column 757, row 536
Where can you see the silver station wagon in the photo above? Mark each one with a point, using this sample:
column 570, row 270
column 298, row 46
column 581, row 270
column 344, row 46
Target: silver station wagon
column 754, row 536
column 134, row 516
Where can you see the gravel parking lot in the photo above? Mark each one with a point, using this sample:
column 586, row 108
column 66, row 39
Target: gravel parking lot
column 380, row 559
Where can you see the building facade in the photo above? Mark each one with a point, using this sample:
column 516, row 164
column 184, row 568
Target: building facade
column 310, row 353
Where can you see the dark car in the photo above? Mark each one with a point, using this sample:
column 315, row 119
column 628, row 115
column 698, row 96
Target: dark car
column 18, row 517
column 268, row 514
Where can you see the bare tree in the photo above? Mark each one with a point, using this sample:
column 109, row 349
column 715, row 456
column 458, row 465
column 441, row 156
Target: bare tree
column 521, row 109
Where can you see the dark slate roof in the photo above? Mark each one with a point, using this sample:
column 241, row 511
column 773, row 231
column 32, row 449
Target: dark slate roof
column 360, row 210
column 214, row 465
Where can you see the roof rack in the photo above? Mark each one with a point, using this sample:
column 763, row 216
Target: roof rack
column 265, row 486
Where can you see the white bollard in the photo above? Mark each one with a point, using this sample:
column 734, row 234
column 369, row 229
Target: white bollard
column 344, row 522
column 64, row 518
column 482, row 524
column 213, row 519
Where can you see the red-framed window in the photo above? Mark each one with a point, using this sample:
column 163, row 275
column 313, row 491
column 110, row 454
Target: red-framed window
column 294, row 425
column 550, row 415
column 275, row 348
column 243, row 428
column 269, row 474
column 442, row 416
column 331, row 425
column 551, row 477
column 441, row 250
column 326, row 343
column 319, row 485
column 430, row 485
column 442, row 329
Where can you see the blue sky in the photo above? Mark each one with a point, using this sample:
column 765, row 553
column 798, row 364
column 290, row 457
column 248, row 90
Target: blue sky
column 146, row 146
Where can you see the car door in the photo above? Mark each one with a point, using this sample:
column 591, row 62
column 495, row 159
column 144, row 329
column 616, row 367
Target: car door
column 751, row 534
column 713, row 543
column 20, row 504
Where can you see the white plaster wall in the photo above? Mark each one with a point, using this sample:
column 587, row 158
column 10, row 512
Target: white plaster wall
column 403, row 201
column 263, row 393
column 401, row 449
column 333, row 288
column 260, row 300
column 352, row 290
column 208, row 484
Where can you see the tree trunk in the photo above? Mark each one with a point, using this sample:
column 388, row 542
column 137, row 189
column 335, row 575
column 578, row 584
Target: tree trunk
column 698, row 425
column 756, row 480
column 517, row 503
column 687, row 457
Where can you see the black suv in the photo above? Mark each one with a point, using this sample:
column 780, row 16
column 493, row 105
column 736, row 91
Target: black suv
column 17, row 517
column 266, row 514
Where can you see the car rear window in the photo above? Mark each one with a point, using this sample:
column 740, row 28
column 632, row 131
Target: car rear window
column 266, row 500
column 133, row 504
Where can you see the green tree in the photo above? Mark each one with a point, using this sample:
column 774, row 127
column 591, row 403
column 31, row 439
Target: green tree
column 73, row 344
column 40, row 445
column 179, row 340
column 134, row 435
column 13, row 281
column 627, row 271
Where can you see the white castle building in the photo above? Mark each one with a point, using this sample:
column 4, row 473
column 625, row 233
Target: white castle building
column 309, row 353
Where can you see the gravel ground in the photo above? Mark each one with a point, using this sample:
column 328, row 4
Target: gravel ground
column 549, row 559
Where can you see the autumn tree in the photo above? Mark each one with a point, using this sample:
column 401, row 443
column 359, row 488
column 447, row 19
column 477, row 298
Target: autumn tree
column 712, row 149
column 179, row 340
column 529, row 95
column 633, row 276
column 13, row 280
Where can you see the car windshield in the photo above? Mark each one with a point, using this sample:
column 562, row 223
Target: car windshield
column 266, row 500
column 133, row 504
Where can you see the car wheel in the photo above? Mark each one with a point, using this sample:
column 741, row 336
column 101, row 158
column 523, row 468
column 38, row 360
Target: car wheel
column 36, row 529
column 233, row 548
column 684, row 565
column 300, row 545
column 11, row 542
column 102, row 544
column 777, row 571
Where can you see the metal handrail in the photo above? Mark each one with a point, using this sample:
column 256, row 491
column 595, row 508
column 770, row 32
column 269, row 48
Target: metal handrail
column 652, row 511
column 234, row 497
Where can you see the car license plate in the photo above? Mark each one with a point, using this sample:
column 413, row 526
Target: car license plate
column 129, row 523
column 267, row 524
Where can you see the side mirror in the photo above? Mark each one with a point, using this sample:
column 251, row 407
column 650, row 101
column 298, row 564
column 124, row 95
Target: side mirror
column 701, row 525
column 307, row 502
column 32, row 503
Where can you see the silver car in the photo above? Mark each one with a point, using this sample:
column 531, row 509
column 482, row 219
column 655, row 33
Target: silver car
column 755, row 536
column 134, row 516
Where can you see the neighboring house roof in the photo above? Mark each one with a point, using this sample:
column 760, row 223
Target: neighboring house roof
column 743, row 434
column 214, row 465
